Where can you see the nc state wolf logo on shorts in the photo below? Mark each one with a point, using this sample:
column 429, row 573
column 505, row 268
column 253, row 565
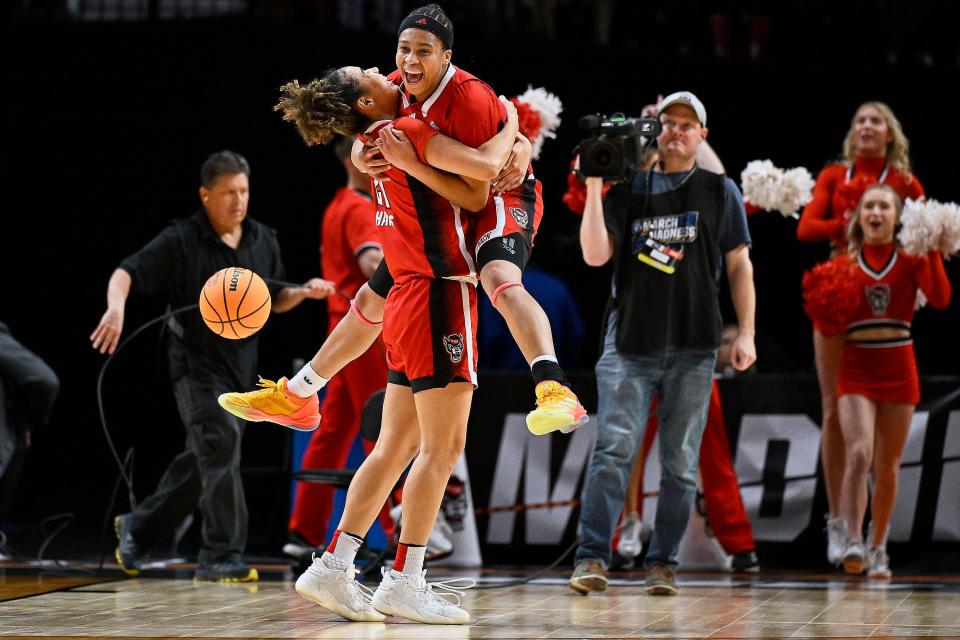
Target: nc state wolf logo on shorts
column 878, row 295
column 453, row 343
column 520, row 216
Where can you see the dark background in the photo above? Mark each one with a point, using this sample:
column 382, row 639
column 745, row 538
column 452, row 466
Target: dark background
column 106, row 123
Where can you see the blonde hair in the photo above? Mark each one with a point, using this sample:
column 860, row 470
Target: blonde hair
column 855, row 231
column 898, row 147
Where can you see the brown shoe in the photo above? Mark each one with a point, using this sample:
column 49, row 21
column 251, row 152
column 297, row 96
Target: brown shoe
column 588, row 575
column 660, row 580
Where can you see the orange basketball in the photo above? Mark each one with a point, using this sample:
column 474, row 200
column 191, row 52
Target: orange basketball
column 235, row 303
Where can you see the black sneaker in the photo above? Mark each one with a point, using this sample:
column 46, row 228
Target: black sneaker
column 226, row 570
column 299, row 549
column 746, row 562
column 127, row 554
column 620, row 563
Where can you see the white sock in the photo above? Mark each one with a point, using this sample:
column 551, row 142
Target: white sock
column 307, row 382
column 544, row 358
column 413, row 561
column 345, row 548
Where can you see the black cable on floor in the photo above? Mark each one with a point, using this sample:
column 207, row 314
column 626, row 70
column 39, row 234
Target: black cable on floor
column 67, row 518
column 103, row 369
column 107, row 516
column 520, row 581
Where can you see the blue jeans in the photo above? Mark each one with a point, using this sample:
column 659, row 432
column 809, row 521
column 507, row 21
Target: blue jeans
column 626, row 384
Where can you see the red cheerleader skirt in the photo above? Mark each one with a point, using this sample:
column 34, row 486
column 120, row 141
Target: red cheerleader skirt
column 883, row 374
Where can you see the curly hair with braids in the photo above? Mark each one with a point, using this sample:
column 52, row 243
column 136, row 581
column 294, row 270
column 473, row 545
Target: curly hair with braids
column 898, row 148
column 323, row 108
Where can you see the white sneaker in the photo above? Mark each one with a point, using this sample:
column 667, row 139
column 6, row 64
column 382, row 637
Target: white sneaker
column 338, row 591
column 413, row 598
column 853, row 557
column 630, row 545
column 836, row 539
column 878, row 563
column 439, row 544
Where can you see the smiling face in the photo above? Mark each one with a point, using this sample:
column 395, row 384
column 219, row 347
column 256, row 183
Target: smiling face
column 379, row 97
column 878, row 215
column 871, row 132
column 422, row 61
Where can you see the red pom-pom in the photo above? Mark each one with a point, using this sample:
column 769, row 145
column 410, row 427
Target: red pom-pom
column 576, row 196
column 528, row 120
column 830, row 294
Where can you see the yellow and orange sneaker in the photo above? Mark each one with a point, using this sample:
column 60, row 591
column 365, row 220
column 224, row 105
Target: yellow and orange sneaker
column 274, row 403
column 557, row 410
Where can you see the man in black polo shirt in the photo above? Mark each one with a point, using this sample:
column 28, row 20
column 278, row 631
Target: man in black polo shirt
column 202, row 366
column 668, row 232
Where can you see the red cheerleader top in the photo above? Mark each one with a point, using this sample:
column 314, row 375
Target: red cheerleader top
column 889, row 279
column 838, row 190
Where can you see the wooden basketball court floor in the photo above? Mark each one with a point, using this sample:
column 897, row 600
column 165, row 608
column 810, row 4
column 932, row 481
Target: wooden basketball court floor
column 709, row 606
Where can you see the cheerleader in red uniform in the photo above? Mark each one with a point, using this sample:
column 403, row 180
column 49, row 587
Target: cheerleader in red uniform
column 875, row 150
column 877, row 386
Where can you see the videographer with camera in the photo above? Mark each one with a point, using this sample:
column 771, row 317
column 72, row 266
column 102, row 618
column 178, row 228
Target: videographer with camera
column 668, row 231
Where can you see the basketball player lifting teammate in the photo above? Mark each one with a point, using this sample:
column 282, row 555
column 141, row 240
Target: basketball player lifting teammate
column 452, row 101
column 429, row 332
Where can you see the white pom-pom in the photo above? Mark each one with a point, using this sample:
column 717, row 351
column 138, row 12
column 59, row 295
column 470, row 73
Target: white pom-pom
column 774, row 189
column 796, row 190
column 949, row 229
column 929, row 225
column 549, row 107
column 759, row 183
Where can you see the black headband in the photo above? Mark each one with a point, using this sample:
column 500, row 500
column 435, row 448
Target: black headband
column 430, row 24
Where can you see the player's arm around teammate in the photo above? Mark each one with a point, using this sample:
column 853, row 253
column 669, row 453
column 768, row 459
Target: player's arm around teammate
column 372, row 99
column 474, row 167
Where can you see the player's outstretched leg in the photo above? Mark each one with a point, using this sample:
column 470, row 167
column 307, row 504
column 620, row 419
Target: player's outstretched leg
column 558, row 408
column 293, row 403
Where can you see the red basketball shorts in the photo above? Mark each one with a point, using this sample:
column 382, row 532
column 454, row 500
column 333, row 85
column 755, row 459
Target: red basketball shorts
column 430, row 331
column 517, row 212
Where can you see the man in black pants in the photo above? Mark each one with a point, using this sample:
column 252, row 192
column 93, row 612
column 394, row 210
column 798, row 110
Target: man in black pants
column 28, row 387
column 202, row 365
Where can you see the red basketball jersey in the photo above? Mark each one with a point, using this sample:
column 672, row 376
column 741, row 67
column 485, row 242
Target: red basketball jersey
column 347, row 230
column 422, row 234
column 462, row 107
column 466, row 109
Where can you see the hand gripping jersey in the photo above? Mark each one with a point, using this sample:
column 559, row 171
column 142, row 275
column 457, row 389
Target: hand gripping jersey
column 466, row 109
column 422, row 234
column 888, row 279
